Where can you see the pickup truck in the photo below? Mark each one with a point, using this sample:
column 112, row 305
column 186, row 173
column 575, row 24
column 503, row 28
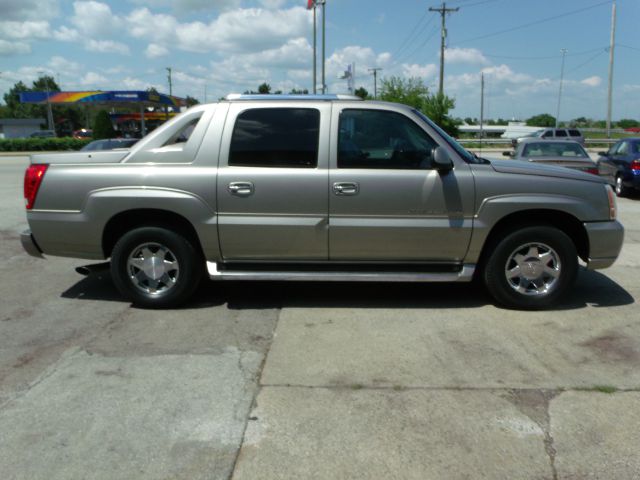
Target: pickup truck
column 325, row 188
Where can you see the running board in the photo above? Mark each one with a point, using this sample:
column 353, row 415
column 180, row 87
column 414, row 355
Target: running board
column 465, row 274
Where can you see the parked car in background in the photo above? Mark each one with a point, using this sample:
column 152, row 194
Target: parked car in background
column 554, row 134
column 620, row 166
column 43, row 134
column 565, row 153
column 83, row 133
column 109, row 144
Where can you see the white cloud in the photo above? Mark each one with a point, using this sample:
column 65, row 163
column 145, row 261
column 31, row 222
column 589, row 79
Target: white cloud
column 186, row 6
column 21, row 10
column 237, row 31
column 471, row 56
column 154, row 51
column 13, row 48
column 66, row 34
column 24, row 30
column 422, row 71
column 130, row 83
column 107, row 46
column 95, row 19
column 594, row 81
column 61, row 64
column 93, row 79
column 272, row 4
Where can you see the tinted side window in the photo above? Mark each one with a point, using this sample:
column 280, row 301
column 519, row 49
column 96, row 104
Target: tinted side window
column 561, row 133
column 547, row 134
column 383, row 140
column 276, row 137
column 575, row 133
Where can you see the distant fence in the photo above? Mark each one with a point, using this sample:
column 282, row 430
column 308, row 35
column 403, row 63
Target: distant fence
column 499, row 142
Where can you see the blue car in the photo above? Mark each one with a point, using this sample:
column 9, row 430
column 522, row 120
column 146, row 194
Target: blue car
column 620, row 166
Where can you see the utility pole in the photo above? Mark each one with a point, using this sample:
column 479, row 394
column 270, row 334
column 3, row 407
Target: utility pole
column 564, row 52
column 324, row 15
column 49, row 111
column 315, row 47
column 611, row 47
column 443, row 36
column 169, row 78
column 375, row 71
column 481, row 107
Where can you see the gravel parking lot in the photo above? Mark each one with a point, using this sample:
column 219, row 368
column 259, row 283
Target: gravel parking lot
column 314, row 380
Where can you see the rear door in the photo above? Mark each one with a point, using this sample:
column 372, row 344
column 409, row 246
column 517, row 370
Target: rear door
column 386, row 201
column 272, row 182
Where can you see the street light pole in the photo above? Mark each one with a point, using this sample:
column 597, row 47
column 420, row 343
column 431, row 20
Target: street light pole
column 564, row 52
column 611, row 48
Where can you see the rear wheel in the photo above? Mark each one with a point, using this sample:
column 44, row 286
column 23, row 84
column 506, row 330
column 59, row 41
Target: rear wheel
column 620, row 189
column 531, row 268
column 155, row 268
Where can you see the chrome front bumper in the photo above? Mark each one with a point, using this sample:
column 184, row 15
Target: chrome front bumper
column 29, row 244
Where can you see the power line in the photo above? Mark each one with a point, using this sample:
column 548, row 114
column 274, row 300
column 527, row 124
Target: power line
column 415, row 28
column 537, row 22
column 549, row 57
column 403, row 57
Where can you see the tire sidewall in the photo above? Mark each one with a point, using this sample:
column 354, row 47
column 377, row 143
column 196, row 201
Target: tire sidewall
column 494, row 271
column 184, row 252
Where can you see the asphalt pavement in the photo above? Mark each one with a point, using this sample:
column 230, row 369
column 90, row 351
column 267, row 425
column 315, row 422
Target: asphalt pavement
column 313, row 380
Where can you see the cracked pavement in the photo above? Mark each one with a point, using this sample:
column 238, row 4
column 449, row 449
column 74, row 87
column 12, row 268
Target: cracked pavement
column 279, row 380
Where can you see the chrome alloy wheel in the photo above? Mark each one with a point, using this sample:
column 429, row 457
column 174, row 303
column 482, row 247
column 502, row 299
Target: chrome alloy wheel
column 619, row 187
column 153, row 268
column 533, row 269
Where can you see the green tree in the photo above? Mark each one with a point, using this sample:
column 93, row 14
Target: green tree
column 191, row 101
column 542, row 120
column 264, row 88
column 362, row 93
column 410, row 91
column 437, row 107
column 627, row 123
column 413, row 92
column 102, row 127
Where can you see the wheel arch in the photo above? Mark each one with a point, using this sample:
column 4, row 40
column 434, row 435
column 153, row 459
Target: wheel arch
column 127, row 220
column 563, row 221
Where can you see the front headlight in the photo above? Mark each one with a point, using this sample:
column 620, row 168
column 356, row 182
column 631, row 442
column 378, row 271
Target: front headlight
column 613, row 206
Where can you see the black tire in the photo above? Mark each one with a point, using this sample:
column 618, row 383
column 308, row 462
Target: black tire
column 155, row 267
column 531, row 268
column 619, row 188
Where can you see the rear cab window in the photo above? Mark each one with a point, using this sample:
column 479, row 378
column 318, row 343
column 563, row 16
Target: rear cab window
column 276, row 137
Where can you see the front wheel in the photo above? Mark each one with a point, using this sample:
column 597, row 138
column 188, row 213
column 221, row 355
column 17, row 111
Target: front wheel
column 531, row 268
column 155, row 268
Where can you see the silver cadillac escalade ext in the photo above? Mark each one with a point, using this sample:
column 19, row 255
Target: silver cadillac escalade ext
column 317, row 188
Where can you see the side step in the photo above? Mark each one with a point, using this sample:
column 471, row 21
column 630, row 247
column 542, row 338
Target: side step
column 463, row 274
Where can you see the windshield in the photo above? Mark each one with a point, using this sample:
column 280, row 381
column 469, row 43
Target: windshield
column 466, row 156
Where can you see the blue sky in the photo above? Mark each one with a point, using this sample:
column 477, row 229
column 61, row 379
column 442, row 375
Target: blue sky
column 223, row 46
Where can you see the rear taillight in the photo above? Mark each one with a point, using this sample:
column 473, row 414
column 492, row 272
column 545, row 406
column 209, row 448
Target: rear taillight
column 613, row 207
column 592, row 170
column 635, row 167
column 32, row 179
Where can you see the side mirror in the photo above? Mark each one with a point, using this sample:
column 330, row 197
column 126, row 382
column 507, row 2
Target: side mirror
column 441, row 160
column 508, row 154
column 603, row 154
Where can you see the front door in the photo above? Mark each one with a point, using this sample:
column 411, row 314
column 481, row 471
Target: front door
column 387, row 202
column 272, row 183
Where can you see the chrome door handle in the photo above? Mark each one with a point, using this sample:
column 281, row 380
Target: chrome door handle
column 346, row 188
column 241, row 189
